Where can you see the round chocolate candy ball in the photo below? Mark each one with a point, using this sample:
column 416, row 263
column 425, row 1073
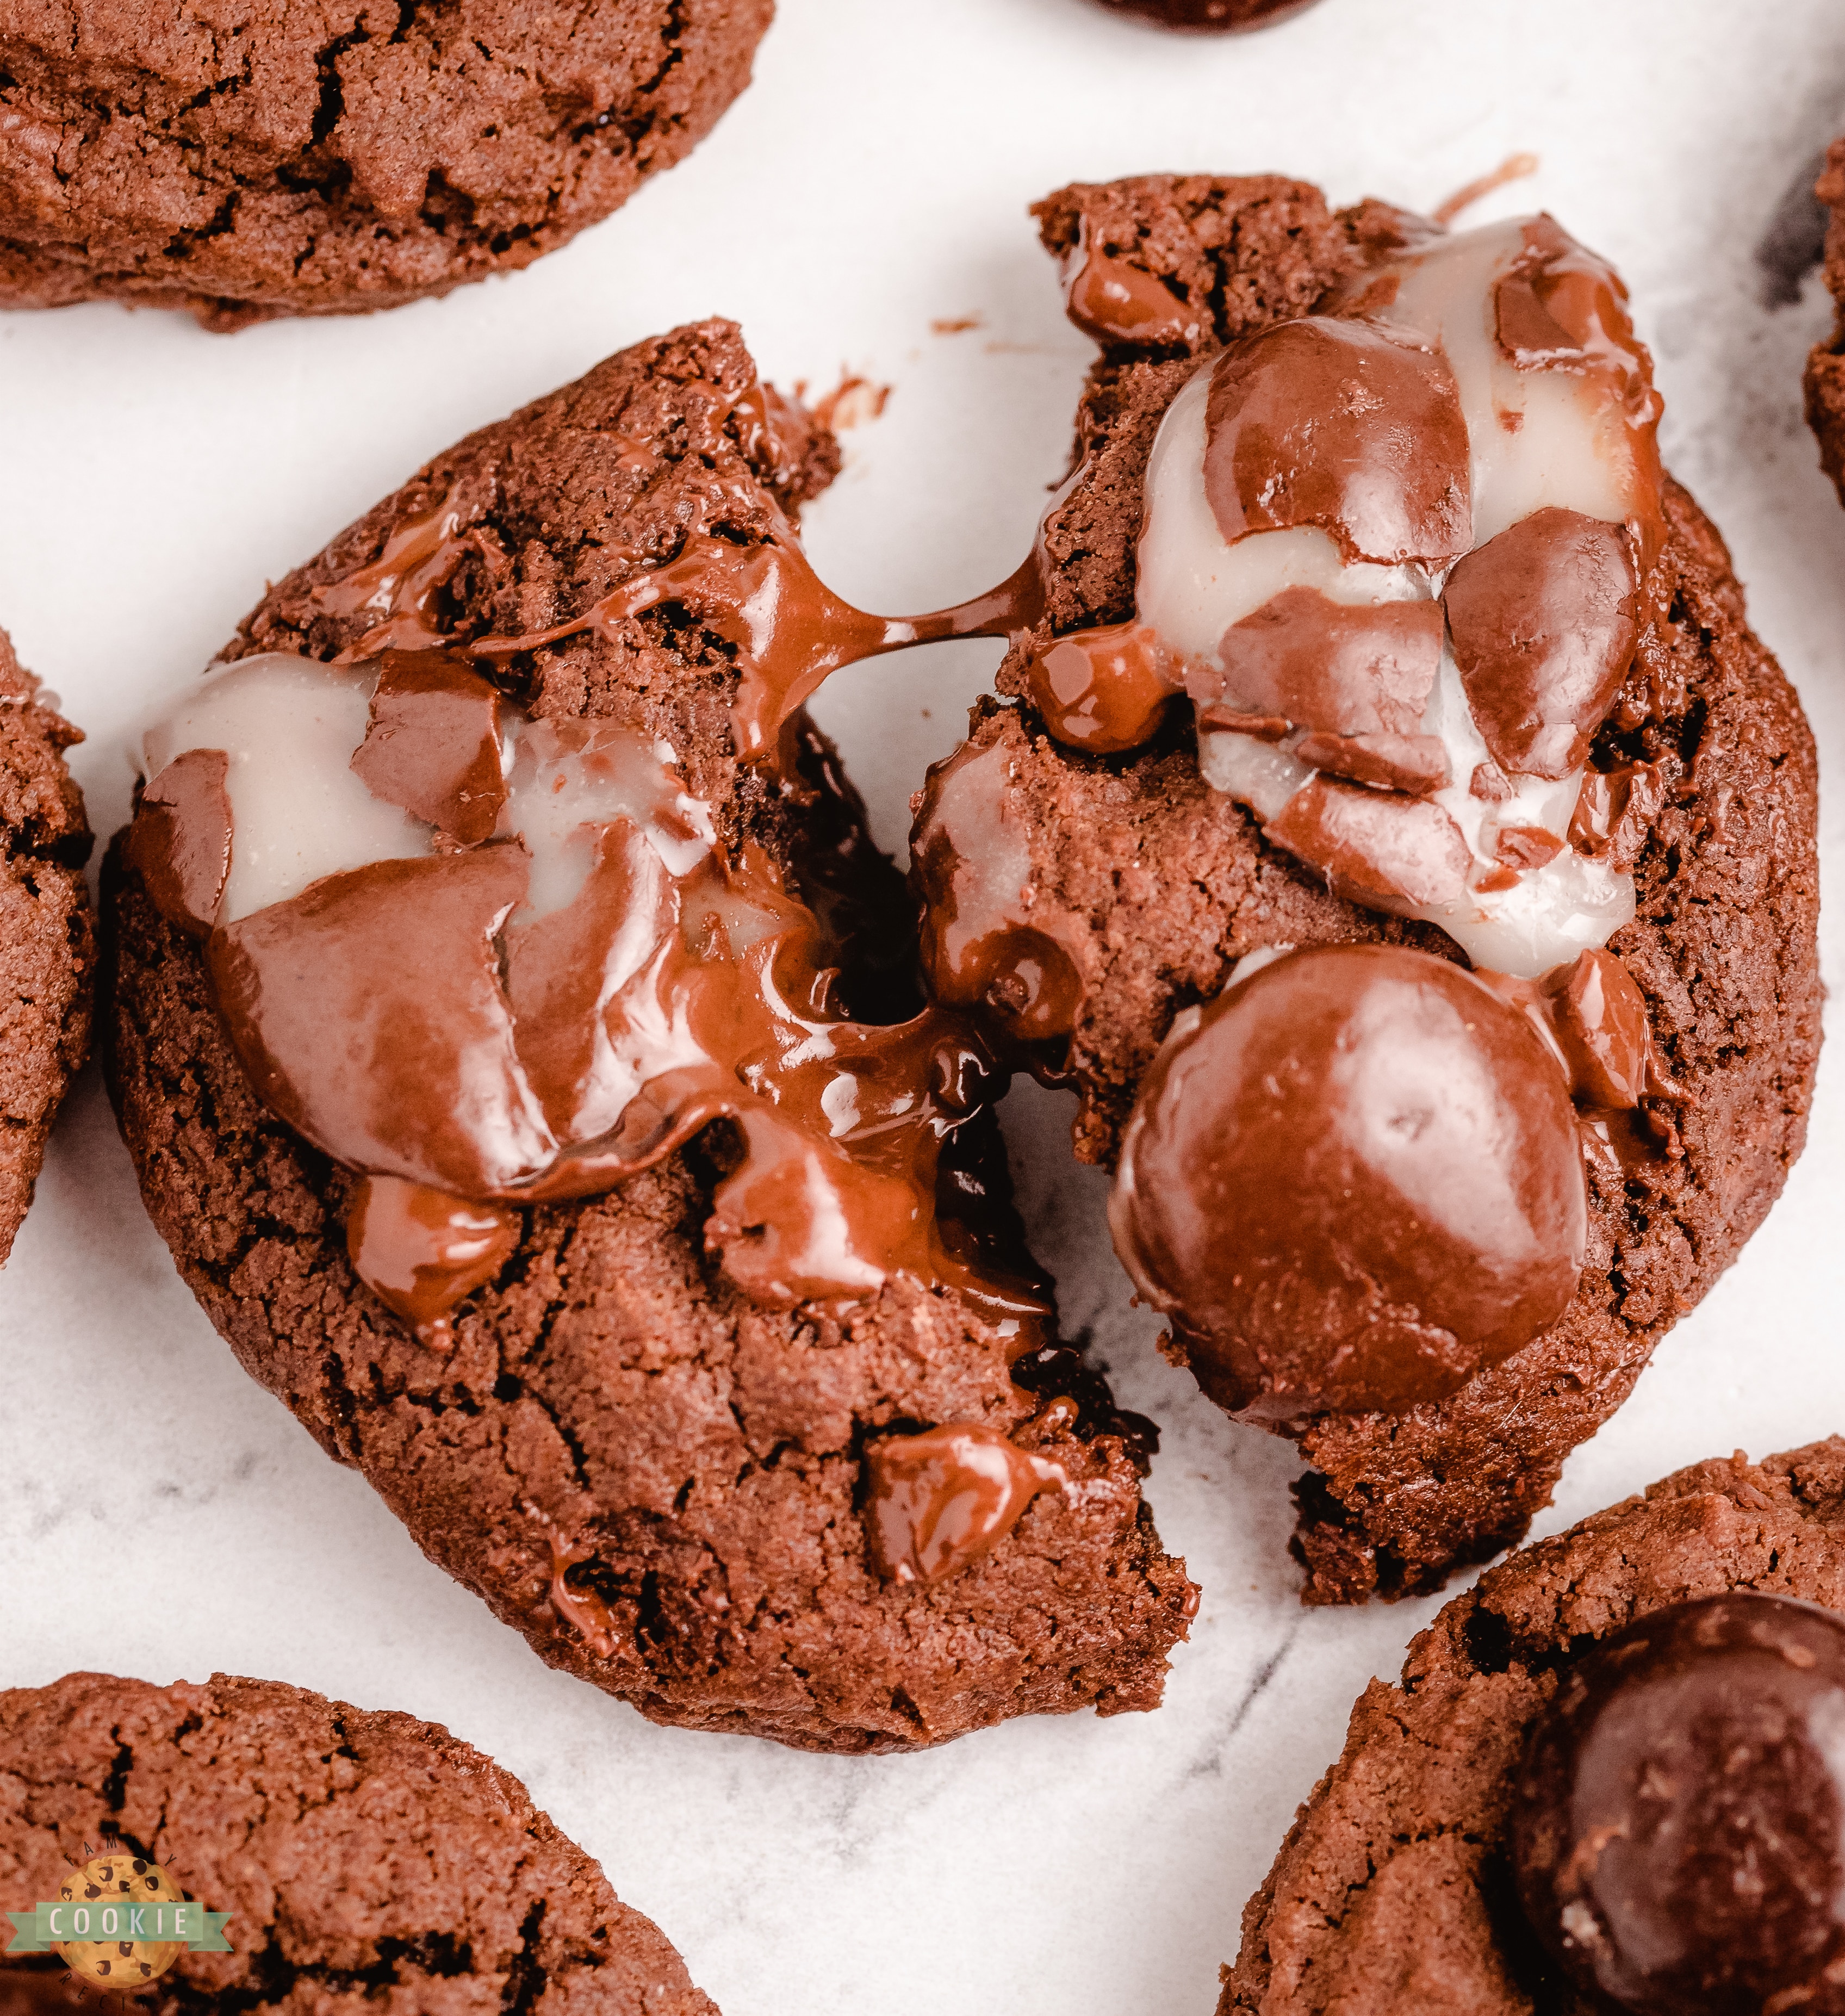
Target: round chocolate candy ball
column 1222, row 17
column 1352, row 1181
column 1678, row 1825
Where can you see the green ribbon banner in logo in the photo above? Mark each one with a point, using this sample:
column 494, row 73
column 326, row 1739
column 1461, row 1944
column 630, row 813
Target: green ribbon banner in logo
column 64, row 1923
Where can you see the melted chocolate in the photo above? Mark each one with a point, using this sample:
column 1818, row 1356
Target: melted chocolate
column 433, row 744
column 1414, row 764
column 180, row 843
column 1103, row 690
column 1544, row 620
column 1389, row 853
column 984, row 943
column 422, row 1252
column 1334, row 423
column 582, row 1610
column 1678, row 1820
column 402, row 588
column 1615, row 811
column 1109, row 297
column 1352, row 1181
column 1593, row 1016
column 939, row 1500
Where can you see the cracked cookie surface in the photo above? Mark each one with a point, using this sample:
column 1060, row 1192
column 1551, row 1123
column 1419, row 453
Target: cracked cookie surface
column 1393, row 1891
column 47, row 932
column 365, row 1859
column 246, row 158
column 1154, row 885
column 618, row 1426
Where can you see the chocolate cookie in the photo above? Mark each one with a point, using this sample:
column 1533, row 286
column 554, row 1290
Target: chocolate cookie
column 1825, row 366
column 1090, row 887
column 358, row 1854
column 326, row 160
column 1396, row 1887
column 47, row 935
column 867, row 1510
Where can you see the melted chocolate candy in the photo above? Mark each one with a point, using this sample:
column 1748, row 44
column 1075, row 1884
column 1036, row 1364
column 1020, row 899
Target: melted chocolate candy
column 1336, row 424
column 1594, row 1018
column 582, row 1610
column 433, row 744
column 940, row 1500
column 402, row 588
column 1678, row 1821
column 370, row 1013
column 1352, row 1181
column 1615, row 811
column 1364, row 669
column 422, row 1252
column 1109, row 297
column 984, row 944
column 1414, row 764
column 1390, row 853
column 1225, row 17
column 180, row 843
column 1103, row 690
column 1544, row 620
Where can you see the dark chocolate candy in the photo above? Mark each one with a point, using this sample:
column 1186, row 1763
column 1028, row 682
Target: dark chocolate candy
column 1678, row 1825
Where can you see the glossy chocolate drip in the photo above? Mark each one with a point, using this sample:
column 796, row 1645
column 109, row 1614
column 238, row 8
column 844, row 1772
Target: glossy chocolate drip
column 1615, row 810
column 939, row 1500
column 581, row 1610
column 402, row 588
column 1114, row 300
column 422, row 1252
column 1678, row 1820
column 180, row 843
column 1336, row 424
column 984, row 943
column 1352, row 1181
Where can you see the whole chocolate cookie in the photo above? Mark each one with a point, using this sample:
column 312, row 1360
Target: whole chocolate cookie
column 1121, row 886
column 1825, row 366
column 678, row 1479
column 361, row 1855
column 252, row 160
column 47, row 934
column 1395, row 1888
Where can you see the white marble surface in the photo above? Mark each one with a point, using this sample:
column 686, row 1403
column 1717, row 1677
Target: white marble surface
column 160, row 1515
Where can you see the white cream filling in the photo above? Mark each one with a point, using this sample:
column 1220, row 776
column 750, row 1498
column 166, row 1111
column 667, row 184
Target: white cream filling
column 1567, row 445
column 288, row 726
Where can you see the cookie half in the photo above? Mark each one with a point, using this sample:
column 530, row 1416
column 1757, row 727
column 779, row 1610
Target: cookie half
column 1140, row 886
column 1394, row 1889
column 673, row 1487
column 326, row 160
column 358, row 1854
column 47, row 932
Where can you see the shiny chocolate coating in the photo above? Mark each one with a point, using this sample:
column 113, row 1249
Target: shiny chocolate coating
column 1222, row 17
column 1352, row 1181
column 1678, row 1822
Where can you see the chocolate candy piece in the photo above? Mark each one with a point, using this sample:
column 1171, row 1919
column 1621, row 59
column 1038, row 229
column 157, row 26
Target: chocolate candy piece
column 432, row 743
column 1352, row 1181
column 1224, row 17
column 180, row 843
column 941, row 1499
column 1336, row 424
column 1544, row 620
column 1678, row 1824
